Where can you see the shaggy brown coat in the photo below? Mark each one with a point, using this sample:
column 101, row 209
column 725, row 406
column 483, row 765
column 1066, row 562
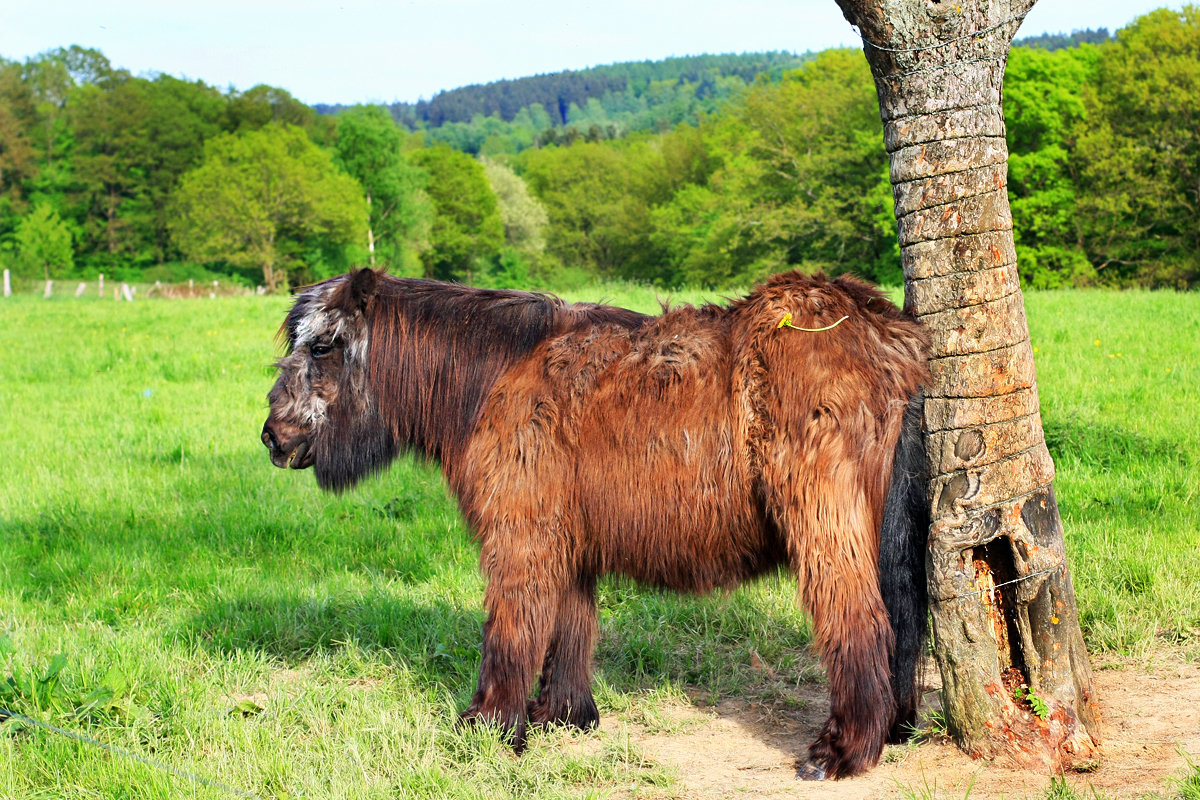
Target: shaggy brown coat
column 692, row 450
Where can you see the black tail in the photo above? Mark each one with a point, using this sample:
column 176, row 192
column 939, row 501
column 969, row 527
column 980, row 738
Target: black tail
column 902, row 545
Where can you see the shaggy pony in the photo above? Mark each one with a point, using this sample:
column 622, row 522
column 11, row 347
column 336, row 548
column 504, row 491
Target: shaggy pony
column 692, row 450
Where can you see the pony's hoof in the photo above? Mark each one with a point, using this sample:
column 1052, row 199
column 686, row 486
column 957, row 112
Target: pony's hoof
column 512, row 729
column 811, row 771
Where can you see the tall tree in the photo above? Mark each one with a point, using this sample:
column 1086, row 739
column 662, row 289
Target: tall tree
column 53, row 76
column 523, row 214
column 108, row 126
column 179, row 117
column 1043, row 113
column 803, row 183
column 17, row 153
column 467, row 232
column 43, row 243
column 370, row 148
column 598, row 197
column 52, row 81
column 1003, row 605
column 261, row 105
column 259, row 196
column 1140, row 153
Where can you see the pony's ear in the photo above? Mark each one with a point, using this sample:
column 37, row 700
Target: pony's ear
column 355, row 295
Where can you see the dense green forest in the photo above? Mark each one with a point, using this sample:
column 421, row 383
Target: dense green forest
column 605, row 102
column 706, row 171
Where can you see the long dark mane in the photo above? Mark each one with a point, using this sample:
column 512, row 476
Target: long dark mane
column 436, row 350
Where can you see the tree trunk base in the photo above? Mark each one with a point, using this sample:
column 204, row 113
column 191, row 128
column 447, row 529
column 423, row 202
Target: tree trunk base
column 1017, row 684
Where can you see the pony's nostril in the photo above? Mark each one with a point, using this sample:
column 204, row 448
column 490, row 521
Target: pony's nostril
column 268, row 438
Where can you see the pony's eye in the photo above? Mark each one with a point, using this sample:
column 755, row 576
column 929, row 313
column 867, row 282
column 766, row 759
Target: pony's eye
column 319, row 350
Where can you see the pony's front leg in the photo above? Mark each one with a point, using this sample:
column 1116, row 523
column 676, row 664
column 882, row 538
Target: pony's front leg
column 565, row 691
column 521, row 599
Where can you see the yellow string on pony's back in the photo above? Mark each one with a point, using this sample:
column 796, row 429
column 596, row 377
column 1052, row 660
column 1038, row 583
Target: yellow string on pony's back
column 786, row 322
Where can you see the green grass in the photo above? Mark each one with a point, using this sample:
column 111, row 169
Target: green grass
column 1119, row 376
column 227, row 618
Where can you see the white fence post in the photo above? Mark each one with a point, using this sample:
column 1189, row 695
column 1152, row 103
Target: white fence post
column 125, row 291
column 81, row 289
column 49, row 289
column 100, row 291
column 7, row 285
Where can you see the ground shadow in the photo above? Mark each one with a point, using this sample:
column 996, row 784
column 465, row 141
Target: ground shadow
column 438, row 643
column 649, row 641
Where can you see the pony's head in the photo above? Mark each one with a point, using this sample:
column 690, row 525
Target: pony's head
column 322, row 413
column 376, row 365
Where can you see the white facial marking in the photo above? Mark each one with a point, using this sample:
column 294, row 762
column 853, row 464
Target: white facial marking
column 308, row 404
column 320, row 322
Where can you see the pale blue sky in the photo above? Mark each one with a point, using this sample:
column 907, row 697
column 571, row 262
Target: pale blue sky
column 348, row 51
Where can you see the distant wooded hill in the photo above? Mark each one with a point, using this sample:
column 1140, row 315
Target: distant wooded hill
column 1059, row 41
column 618, row 98
column 562, row 95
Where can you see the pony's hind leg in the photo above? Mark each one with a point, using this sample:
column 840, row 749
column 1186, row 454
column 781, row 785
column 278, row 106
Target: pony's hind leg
column 827, row 529
column 860, row 697
column 565, row 692
column 521, row 600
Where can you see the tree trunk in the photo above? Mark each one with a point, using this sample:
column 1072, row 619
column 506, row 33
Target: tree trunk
column 1002, row 602
column 370, row 234
column 270, row 277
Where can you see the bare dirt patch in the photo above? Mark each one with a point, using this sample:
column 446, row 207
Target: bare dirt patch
column 750, row 749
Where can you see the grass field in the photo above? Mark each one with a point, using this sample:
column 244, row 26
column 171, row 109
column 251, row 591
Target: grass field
column 164, row 589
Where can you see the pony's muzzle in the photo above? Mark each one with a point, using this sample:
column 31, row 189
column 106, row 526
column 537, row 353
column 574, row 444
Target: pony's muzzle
column 287, row 451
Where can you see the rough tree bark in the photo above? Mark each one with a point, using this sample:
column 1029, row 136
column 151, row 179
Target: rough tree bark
column 1002, row 602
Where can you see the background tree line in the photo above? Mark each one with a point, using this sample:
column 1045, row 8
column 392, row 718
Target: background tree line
column 643, row 174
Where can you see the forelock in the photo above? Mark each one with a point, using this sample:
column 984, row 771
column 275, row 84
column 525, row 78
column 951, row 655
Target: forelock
column 313, row 317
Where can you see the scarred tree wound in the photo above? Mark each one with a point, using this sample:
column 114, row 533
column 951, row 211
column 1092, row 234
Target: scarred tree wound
column 1003, row 605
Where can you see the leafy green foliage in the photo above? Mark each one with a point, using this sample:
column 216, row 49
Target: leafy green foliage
column 801, row 182
column 1024, row 694
column 263, row 105
column 467, row 230
column 18, row 155
column 134, row 138
column 43, row 243
column 523, row 215
column 596, row 104
column 795, row 178
column 370, row 148
column 597, row 197
column 1140, row 154
column 1044, row 109
column 267, row 199
column 615, row 86
column 708, row 171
